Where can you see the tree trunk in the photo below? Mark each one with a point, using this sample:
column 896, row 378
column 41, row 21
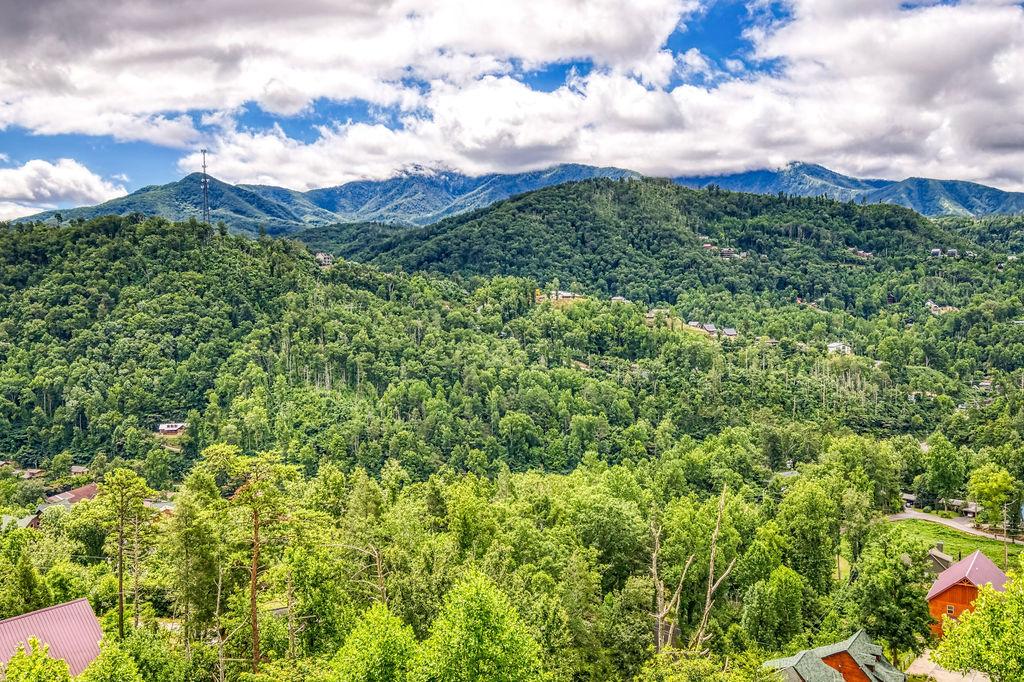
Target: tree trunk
column 253, row 614
column 120, row 578
column 135, row 570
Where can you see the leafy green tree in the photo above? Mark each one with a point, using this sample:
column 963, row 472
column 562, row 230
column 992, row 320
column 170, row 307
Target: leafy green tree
column 378, row 649
column 121, row 496
column 112, row 665
column 35, row 665
column 810, row 519
column 687, row 666
column 992, row 487
column 262, row 496
column 988, row 638
column 477, row 636
column 155, row 656
column 23, row 589
column 773, row 610
column 890, row 591
column 945, row 468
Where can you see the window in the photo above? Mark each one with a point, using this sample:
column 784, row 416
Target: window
column 949, row 609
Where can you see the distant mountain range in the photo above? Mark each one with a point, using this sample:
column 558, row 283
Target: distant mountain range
column 422, row 196
column 927, row 197
column 417, row 197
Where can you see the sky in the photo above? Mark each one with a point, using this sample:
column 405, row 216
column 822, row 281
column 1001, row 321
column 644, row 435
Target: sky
column 101, row 97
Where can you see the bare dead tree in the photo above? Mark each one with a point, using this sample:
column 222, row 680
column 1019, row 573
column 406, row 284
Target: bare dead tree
column 664, row 627
column 700, row 637
column 377, row 582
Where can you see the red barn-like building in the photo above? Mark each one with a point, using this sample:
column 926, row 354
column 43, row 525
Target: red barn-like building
column 856, row 659
column 956, row 588
column 71, row 630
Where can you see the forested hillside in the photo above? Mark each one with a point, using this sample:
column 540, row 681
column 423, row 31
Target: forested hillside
column 416, row 197
column 927, row 196
column 384, row 467
column 653, row 241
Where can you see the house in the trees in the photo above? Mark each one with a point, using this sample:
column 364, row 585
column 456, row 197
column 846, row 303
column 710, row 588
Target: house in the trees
column 729, row 333
column 71, row 630
column 74, row 496
column 324, row 260
column 30, row 521
column 79, row 470
column 856, row 659
column 839, row 348
column 29, row 474
column 620, row 299
column 171, row 428
column 956, row 588
column 938, row 560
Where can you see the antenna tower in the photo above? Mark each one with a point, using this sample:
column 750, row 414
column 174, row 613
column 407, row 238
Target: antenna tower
column 206, row 191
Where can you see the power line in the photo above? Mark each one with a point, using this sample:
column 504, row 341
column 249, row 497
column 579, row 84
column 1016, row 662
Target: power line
column 206, row 191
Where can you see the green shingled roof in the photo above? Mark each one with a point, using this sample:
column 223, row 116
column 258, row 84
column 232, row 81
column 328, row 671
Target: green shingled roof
column 807, row 666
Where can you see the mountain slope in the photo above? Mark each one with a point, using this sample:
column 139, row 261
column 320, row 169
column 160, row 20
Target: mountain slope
column 651, row 240
column 927, row 197
column 415, row 198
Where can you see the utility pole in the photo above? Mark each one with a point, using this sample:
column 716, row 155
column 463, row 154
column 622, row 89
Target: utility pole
column 206, row 191
column 1006, row 539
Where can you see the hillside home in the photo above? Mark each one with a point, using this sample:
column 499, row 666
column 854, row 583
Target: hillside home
column 620, row 299
column 938, row 560
column 78, row 470
column 324, row 260
column 165, row 507
column 30, row 521
column 71, row 630
column 839, row 348
column 29, row 474
column 651, row 315
column 171, row 428
column 75, row 495
column 710, row 328
column 956, row 588
column 729, row 333
column 856, row 659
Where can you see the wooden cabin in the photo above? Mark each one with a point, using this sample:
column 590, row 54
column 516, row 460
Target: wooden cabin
column 171, row 428
column 956, row 588
column 856, row 659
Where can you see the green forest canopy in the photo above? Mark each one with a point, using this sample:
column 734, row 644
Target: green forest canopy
column 436, row 441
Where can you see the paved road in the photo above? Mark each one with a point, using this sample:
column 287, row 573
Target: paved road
column 925, row 666
column 960, row 523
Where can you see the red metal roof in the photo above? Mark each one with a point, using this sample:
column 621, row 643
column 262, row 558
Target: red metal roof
column 85, row 492
column 72, row 631
column 976, row 568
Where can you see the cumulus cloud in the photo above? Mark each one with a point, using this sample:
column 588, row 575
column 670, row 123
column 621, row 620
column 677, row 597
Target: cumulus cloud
column 882, row 88
column 39, row 185
column 130, row 68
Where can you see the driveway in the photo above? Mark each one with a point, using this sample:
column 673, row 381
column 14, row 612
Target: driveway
column 923, row 665
column 960, row 523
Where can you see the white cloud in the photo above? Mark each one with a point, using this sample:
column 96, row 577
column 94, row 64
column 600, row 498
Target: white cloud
column 39, row 185
column 870, row 87
column 130, row 68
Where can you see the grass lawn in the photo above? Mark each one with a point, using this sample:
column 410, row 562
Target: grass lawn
column 955, row 543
